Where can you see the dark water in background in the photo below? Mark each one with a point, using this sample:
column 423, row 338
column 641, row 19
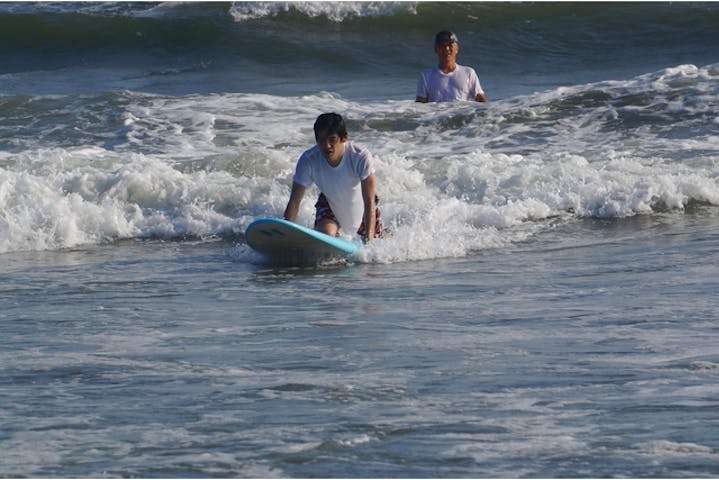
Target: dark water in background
column 546, row 307
column 369, row 50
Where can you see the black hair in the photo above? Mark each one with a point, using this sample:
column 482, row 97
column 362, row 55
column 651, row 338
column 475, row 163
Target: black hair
column 330, row 123
column 445, row 36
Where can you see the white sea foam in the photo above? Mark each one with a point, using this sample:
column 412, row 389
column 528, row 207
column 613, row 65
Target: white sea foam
column 334, row 11
column 206, row 165
column 662, row 448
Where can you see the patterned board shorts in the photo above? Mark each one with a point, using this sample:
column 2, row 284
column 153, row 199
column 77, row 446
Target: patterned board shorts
column 324, row 212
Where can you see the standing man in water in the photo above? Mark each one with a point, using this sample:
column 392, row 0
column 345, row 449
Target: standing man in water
column 448, row 81
column 344, row 173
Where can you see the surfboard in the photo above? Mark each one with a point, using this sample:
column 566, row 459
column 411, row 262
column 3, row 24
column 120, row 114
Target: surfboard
column 290, row 243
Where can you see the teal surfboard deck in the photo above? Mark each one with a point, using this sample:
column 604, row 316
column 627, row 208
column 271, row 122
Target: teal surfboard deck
column 287, row 242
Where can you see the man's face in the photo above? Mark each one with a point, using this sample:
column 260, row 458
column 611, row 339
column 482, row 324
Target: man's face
column 331, row 145
column 448, row 50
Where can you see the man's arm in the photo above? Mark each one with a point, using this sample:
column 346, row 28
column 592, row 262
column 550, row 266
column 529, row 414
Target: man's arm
column 293, row 206
column 368, row 195
column 481, row 97
column 422, row 92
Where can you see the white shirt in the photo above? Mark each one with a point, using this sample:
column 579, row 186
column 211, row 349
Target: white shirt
column 341, row 184
column 460, row 84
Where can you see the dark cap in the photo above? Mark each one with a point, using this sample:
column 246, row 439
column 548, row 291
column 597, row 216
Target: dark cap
column 445, row 36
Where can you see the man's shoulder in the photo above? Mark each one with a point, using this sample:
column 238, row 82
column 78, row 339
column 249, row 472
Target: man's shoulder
column 358, row 152
column 467, row 70
column 311, row 152
column 310, row 158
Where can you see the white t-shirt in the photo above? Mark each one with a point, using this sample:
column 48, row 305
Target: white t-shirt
column 341, row 184
column 460, row 84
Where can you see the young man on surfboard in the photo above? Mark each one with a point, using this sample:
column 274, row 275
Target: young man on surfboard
column 448, row 81
column 344, row 173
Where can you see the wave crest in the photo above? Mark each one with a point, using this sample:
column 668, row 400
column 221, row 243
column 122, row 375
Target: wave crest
column 334, row 11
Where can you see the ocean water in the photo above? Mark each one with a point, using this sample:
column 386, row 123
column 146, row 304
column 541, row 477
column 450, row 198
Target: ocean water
column 546, row 306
